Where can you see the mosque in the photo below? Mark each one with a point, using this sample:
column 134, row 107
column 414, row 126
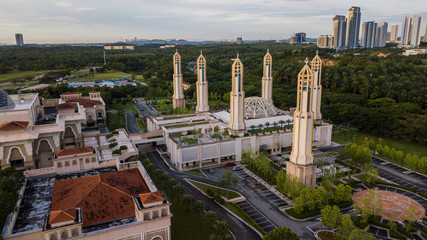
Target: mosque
column 206, row 138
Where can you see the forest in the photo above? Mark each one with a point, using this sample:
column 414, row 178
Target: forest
column 379, row 91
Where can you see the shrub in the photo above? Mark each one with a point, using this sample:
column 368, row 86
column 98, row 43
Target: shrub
column 109, row 135
column 219, row 199
column 210, row 192
column 117, row 151
column 115, row 132
column 123, row 147
column 112, row 140
column 111, row 145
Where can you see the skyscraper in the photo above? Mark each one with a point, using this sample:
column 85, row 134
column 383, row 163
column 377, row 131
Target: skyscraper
column 425, row 35
column 19, row 39
column 237, row 124
column 325, row 41
column 178, row 100
column 202, row 85
column 301, row 37
column 394, row 29
column 406, row 30
column 301, row 163
column 267, row 79
column 353, row 28
column 368, row 34
column 381, row 34
column 415, row 36
column 339, row 29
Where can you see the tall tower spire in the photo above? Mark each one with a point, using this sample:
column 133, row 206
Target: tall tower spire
column 202, row 85
column 316, row 68
column 178, row 92
column 267, row 80
column 301, row 160
column 237, row 99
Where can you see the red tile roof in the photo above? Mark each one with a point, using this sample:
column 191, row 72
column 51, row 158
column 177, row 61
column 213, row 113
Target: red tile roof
column 70, row 93
column 153, row 197
column 66, row 106
column 74, row 151
column 102, row 198
column 62, row 216
column 13, row 125
column 85, row 102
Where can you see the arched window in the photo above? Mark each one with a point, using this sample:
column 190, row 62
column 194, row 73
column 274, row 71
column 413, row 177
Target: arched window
column 74, row 162
column 59, row 165
column 64, row 234
column 67, row 163
column 75, row 232
column 53, row 236
column 157, row 238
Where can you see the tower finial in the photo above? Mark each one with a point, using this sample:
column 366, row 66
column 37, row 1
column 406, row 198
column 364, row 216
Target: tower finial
column 201, row 52
column 176, row 49
column 306, row 61
column 317, row 52
column 268, row 50
column 237, row 55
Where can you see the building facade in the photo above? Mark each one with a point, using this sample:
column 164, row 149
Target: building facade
column 339, row 29
column 353, row 28
column 393, row 35
column 368, row 34
column 325, row 41
column 381, row 34
column 19, row 39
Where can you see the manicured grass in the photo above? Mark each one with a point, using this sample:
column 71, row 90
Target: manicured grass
column 307, row 213
column 142, row 126
column 187, row 125
column 245, row 217
column 190, row 140
column 196, row 172
column 326, row 235
column 110, row 75
column 270, row 129
column 225, row 193
column 345, row 136
column 177, row 117
column 21, row 76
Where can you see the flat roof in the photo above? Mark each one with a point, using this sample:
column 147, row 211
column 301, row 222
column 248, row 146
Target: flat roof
column 225, row 117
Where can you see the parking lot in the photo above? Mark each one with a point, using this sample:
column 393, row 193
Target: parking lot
column 145, row 110
column 257, row 216
column 378, row 232
column 271, row 197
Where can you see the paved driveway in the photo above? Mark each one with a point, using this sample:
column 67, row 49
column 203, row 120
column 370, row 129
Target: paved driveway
column 131, row 123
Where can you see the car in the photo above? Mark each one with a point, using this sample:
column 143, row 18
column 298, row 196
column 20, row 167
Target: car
column 237, row 168
column 230, row 164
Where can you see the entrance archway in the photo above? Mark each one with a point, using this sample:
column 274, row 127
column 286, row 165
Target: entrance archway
column 100, row 119
column 90, row 122
column 45, row 152
column 69, row 138
column 16, row 158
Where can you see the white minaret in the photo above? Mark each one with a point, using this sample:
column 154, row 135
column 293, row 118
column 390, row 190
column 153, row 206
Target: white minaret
column 178, row 92
column 267, row 79
column 316, row 68
column 202, row 85
column 301, row 161
column 237, row 99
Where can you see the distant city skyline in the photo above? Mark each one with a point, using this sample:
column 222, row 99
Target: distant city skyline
column 78, row 21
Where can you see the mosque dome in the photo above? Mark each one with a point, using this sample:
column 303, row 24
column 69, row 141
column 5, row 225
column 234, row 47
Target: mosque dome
column 5, row 99
column 257, row 107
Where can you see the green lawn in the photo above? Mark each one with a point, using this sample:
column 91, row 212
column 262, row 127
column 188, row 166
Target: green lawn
column 245, row 217
column 196, row 172
column 187, row 125
column 100, row 76
column 345, row 136
column 225, row 193
column 21, row 78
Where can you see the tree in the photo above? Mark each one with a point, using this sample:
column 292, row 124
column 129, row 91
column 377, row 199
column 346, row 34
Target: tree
column 222, row 228
column 11, row 181
column 156, row 173
column 198, row 207
column 267, row 124
column 178, row 190
column 171, row 183
column 188, row 201
column 150, row 168
column 358, row 234
column 321, row 197
column 342, row 193
column 330, row 216
column 211, row 217
column 164, row 177
column 345, row 226
column 281, row 122
column 281, row 233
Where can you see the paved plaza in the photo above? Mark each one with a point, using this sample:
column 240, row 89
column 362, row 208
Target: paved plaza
column 395, row 206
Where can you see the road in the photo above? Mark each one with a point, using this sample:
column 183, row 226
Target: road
column 239, row 229
column 131, row 123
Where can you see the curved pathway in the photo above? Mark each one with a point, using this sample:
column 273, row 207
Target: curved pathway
column 131, row 123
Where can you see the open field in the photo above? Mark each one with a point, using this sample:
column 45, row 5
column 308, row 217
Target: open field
column 343, row 136
column 21, row 78
column 100, row 76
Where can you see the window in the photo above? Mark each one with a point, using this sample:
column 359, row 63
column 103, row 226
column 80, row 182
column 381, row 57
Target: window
column 64, row 234
column 59, row 165
column 67, row 163
column 74, row 162
column 93, row 159
column 147, row 216
column 75, row 232
column 87, row 160
column 53, row 236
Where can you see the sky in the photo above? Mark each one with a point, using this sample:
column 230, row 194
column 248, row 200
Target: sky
column 77, row 21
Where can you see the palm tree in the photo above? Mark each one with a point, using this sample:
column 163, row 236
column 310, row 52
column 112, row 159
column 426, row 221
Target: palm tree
column 267, row 124
column 275, row 124
column 281, row 123
column 252, row 127
column 288, row 122
column 260, row 126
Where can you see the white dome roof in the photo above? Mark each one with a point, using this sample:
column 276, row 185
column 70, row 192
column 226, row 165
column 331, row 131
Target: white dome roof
column 257, row 107
column 5, row 100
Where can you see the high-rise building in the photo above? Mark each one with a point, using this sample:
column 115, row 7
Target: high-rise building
column 381, row 34
column 316, row 69
column 239, row 40
column 353, row 28
column 368, row 34
column 339, row 32
column 202, row 85
column 237, row 123
column 267, row 79
column 406, row 30
column 301, row 37
column 394, row 29
column 425, row 35
column 415, row 35
column 325, row 41
column 301, row 163
column 178, row 91
column 19, row 39
column 293, row 40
